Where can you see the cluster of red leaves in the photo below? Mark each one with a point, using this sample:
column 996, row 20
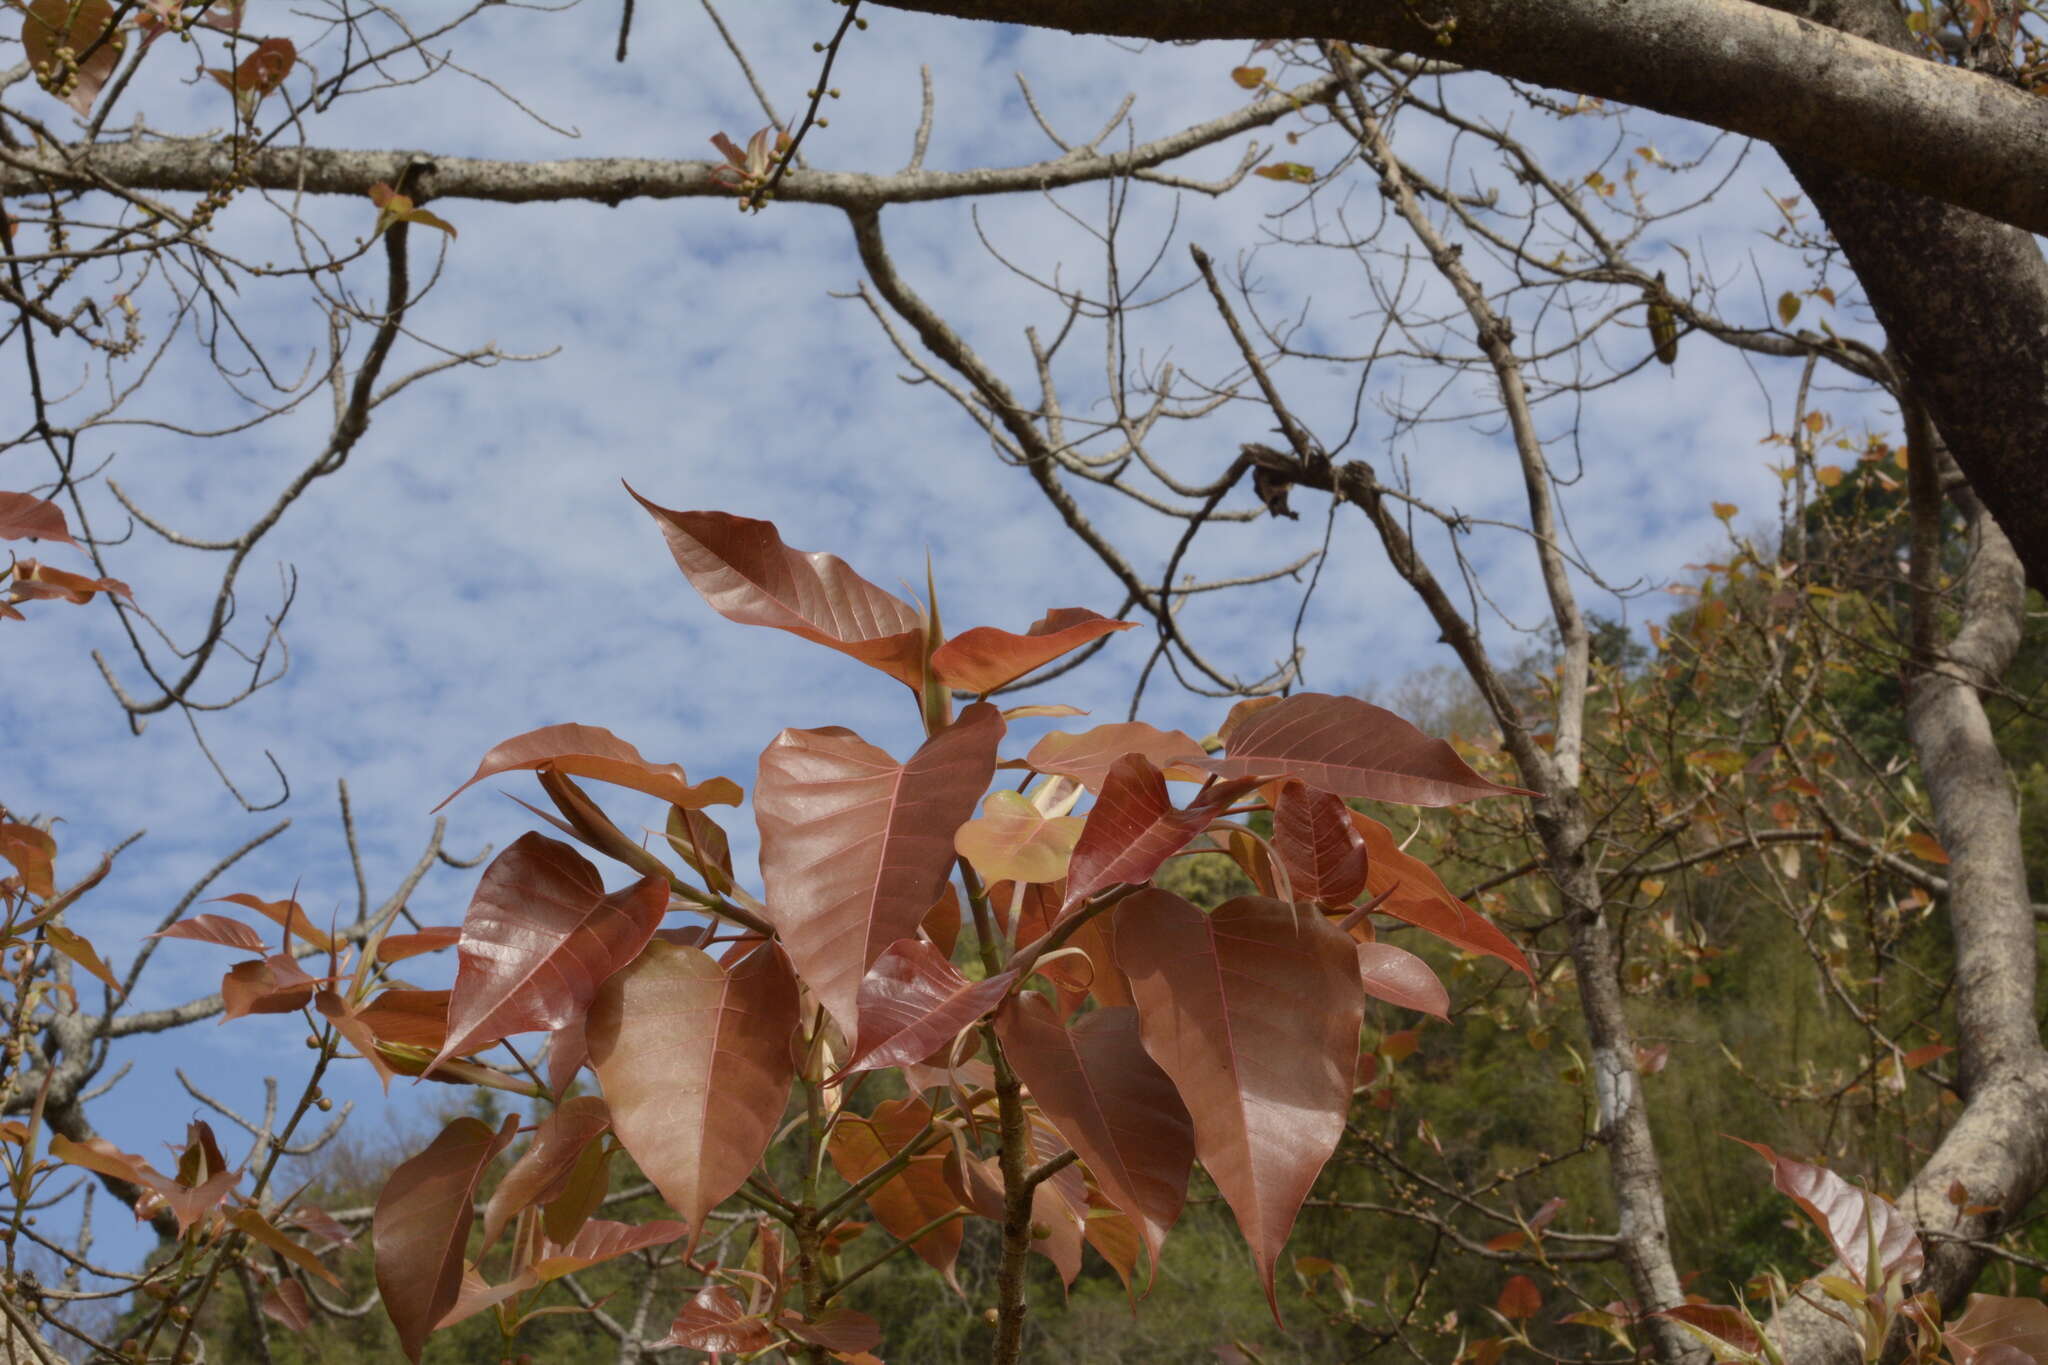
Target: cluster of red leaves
column 1147, row 1033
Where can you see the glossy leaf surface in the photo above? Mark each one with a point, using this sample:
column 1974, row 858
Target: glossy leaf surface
column 1420, row 898
column 540, row 937
column 914, row 1196
column 1088, row 756
column 856, row 847
column 547, row 1161
column 1844, row 1213
column 713, row 1320
column 1253, row 1010
column 422, row 1225
column 695, row 1064
column 984, row 658
column 1011, row 841
column 1134, row 827
column 595, row 752
column 1322, row 851
column 1399, row 977
column 220, row 929
column 913, row 1003
column 743, row 570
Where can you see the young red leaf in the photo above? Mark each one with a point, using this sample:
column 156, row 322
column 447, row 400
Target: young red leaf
column 421, row 1226
column 275, row 985
column 702, row 845
column 1841, row 1211
column 1993, row 1322
column 23, row 516
column 1715, row 1325
column 1420, row 898
column 1519, row 1299
column 910, row 1199
column 984, row 658
column 941, row 923
column 695, row 1064
column 1399, row 977
column 260, row 1229
column 839, row 1330
column 1134, row 827
column 1350, row 748
column 977, row 1183
column 87, row 29
column 33, row 853
column 540, row 937
column 595, row 752
column 79, row 949
column 540, row 1171
column 913, row 1003
column 286, row 914
column 1115, row 1238
column 1088, row 756
column 856, row 847
column 1012, row 840
column 228, row 933
column 399, row 947
column 413, row 1018
column 360, row 1035
column 1323, row 852
column 599, row 1241
column 746, row 574
column 1112, row 1103
column 285, row 1302
column 715, row 1321
column 34, row 581
column 1254, row 1012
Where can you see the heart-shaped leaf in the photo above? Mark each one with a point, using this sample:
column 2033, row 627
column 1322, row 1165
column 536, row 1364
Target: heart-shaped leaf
column 1111, row 1102
column 595, row 752
column 714, row 1321
column 1350, row 748
column 1088, row 756
column 23, row 517
column 746, row 574
column 855, row 847
column 984, row 658
column 1011, row 840
column 1253, row 1010
column 695, row 1064
column 912, row 1198
column 540, row 937
column 1134, row 827
column 89, row 31
column 1844, row 1214
column 422, row 1225
column 913, row 1002
column 1324, row 854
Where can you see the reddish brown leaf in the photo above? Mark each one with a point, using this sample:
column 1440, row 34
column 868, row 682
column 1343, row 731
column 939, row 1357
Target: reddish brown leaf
column 1993, row 1322
column 79, row 949
column 25, row 517
column 1088, row 756
column 260, row 1229
column 600, row 1241
column 913, row 1003
column 984, row 658
column 422, row 1222
column 81, row 26
column 1011, row 840
column 1254, row 1012
column 1350, row 748
column 537, row 1175
column 1112, row 1103
column 1321, row 850
column 228, row 933
column 913, row 1197
column 399, row 947
column 941, row 923
column 285, row 1302
column 1712, row 1323
column 1399, row 977
column 1115, row 1238
column 581, row 1193
column 275, row 985
column 701, row 843
column 977, row 1182
column 841, row 1330
column 746, row 574
column 540, row 937
column 1925, row 1053
column 1842, row 1211
column 33, row 853
column 286, row 914
column 412, row 1018
column 715, row 1321
column 360, row 1035
column 33, row 581
column 856, row 847
column 568, row 1053
column 1420, row 898
column 1519, row 1299
column 1134, row 827
column 595, row 752
column 695, row 1064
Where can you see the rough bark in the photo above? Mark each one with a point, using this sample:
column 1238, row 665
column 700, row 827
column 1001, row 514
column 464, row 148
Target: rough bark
column 1801, row 85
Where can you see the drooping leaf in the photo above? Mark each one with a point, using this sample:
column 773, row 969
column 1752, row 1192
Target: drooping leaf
column 1419, row 897
column 599, row 1241
column 856, row 847
column 394, row 208
column 714, row 1321
column 285, row 1303
column 941, row 923
column 914, row 1196
column 79, row 949
column 540, row 937
column 984, row 658
column 1134, row 826
column 33, row 853
column 1088, row 756
column 260, row 1229
column 578, row 1194
column 228, row 933
column 695, row 1064
column 977, row 1182
column 1115, row 1238
column 1254, row 1011
column 913, row 1002
column 285, row 914
column 1111, row 1102
column 1350, row 748
column 1725, row 1331
column 1011, row 841
column 595, row 752
column 1399, row 977
column 547, row 1161
column 413, row 1018
column 746, row 574
column 88, row 30
column 399, row 947
column 23, row 517
column 1322, row 851
column 349, row 1024
column 1992, row 1321
column 422, row 1222
column 1844, row 1214
column 261, row 72
column 275, row 985
column 701, row 843
column 33, row 580
column 839, row 1330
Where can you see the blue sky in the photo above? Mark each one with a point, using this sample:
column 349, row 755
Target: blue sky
column 476, row 570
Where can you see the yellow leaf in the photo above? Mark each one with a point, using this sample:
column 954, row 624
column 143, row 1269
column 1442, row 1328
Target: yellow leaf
column 1725, row 510
column 1249, row 77
column 1287, row 170
column 1829, row 475
column 75, row 947
column 1926, row 848
column 1788, row 307
column 1653, row 887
